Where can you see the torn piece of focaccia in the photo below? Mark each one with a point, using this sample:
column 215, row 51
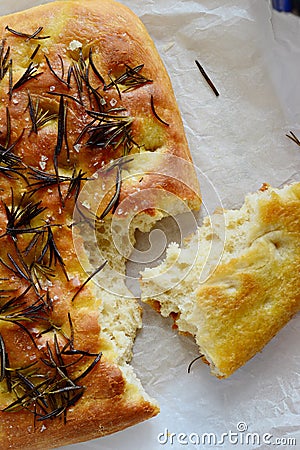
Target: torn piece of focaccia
column 236, row 282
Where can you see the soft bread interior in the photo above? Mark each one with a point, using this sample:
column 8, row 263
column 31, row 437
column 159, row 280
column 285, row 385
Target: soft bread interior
column 195, row 283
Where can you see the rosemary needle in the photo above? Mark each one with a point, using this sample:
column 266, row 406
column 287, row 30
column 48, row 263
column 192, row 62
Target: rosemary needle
column 206, row 77
column 293, row 138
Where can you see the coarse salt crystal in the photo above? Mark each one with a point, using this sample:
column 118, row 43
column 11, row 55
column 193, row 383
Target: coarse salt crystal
column 77, row 148
column 74, row 45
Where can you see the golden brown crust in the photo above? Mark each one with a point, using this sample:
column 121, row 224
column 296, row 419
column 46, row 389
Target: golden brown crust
column 248, row 299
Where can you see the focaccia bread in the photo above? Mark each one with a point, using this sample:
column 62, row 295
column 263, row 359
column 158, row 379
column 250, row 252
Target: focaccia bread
column 81, row 87
column 251, row 285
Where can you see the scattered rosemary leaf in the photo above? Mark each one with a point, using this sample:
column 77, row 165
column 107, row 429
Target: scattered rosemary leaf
column 294, row 138
column 61, row 124
column 25, row 274
column 2, row 358
column 71, row 97
column 114, row 201
column 87, row 217
column 88, row 279
column 8, row 128
column 90, row 368
column 95, row 70
column 35, row 51
column 26, row 35
column 194, row 360
column 207, row 79
column 10, row 79
column 4, row 59
column 155, row 113
column 59, row 78
column 29, row 74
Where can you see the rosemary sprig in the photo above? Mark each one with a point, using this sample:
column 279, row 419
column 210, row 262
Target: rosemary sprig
column 16, row 310
column 80, row 71
column 38, row 270
column 9, row 162
column 51, row 252
column 43, row 180
column 39, row 117
column 108, row 130
column 28, row 37
column 131, row 79
column 59, row 389
column 19, row 268
column 20, row 215
column 75, row 182
column 46, row 256
column 29, row 74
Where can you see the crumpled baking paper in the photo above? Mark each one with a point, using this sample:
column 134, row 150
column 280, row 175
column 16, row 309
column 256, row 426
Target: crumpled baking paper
column 238, row 141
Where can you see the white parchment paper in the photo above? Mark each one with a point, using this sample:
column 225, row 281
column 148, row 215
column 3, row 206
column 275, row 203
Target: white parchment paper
column 238, row 140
